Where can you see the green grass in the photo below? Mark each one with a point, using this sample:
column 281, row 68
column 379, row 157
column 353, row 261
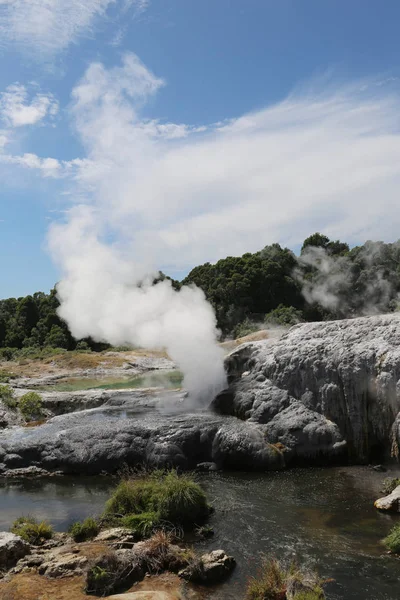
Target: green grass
column 87, row 530
column 392, row 541
column 161, row 497
column 31, row 530
column 30, row 406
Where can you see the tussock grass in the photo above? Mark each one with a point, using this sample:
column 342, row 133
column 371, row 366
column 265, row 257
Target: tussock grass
column 392, row 541
column 31, row 530
column 150, row 501
column 87, row 530
column 277, row 582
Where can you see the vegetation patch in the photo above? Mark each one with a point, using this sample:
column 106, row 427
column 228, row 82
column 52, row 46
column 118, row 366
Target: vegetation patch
column 277, row 582
column 160, row 499
column 87, row 530
column 389, row 485
column 392, row 541
column 31, row 530
column 30, row 406
column 7, row 396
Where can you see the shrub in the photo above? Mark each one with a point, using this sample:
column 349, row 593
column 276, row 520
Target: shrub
column 5, row 376
column 83, row 346
column 159, row 497
column 86, row 530
column 8, row 353
column 7, row 396
column 389, row 485
column 245, row 328
column 392, row 541
column 30, row 405
column 284, row 316
column 31, row 530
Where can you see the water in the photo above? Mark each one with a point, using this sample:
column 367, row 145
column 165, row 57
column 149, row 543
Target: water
column 323, row 517
column 157, row 379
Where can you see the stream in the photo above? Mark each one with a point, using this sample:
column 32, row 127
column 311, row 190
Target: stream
column 322, row 517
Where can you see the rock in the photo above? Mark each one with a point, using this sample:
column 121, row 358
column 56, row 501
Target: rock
column 390, row 503
column 63, row 565
column 120, row 569
column 12, row 548
column 211, row 568
column 117, row 537
column 152, row 438
column 304, row 586
column 346, row 374
column 146, row 595
column 207, row 466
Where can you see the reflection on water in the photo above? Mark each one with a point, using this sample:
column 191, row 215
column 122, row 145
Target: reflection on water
column 156, row 379
column 320, row 516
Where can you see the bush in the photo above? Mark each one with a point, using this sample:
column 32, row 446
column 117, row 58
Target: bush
column 159, row 497
column 83, row 346
column 5, row 376
column 389, row 485
column 245, row 328
column 284, row 316
column 30, row 405
column 86, row 530
column 31, row 531
column 7, row 353
column 392, row 541
column 7, row 396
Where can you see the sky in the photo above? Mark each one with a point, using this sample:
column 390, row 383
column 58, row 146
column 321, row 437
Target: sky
column 180, row 131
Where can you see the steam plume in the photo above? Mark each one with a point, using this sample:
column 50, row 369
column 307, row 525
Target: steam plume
column 104, row 295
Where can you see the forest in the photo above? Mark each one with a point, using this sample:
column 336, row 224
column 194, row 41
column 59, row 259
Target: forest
column 273, row 286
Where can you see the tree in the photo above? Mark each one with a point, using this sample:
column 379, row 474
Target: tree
column 56, row 338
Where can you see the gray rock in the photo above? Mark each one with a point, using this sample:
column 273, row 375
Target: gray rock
column 211, row 568
column 63, row 565
column 390, row 503
column 12, row 548
column 346, row 374
column 132, row 434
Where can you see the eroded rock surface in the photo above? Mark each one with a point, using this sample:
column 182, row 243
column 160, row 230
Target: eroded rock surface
column 328, row 389
column 390, row 503
column 12, row 548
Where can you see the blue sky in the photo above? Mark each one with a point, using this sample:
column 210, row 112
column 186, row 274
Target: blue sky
column 211, row 128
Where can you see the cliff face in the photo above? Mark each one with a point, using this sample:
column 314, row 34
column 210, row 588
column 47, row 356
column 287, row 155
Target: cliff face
column 322, row 385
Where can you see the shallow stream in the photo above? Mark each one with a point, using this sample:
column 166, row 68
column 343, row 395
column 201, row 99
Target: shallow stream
column 322, row 517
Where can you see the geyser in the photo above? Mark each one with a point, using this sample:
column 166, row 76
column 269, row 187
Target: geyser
column 105, row 296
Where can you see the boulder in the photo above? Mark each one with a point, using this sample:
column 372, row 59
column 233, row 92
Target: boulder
column 63, row 565
column 12, row 548
column 213, row 567
column 390, row 503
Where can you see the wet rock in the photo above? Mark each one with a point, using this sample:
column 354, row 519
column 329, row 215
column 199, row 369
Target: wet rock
column 390, row 503
column 207, row 466
column 304, row 586
column 153, row 438
column 12, row 548
column 210, row 568
column 345, row 373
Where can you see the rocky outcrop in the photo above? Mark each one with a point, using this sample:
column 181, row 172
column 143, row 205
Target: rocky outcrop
column 12, row 548
column 390, row 503
column 104, row 439
column 329, row 389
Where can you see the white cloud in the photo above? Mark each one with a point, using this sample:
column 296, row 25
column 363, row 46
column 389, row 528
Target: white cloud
column 16, row 109
column 180, row 195
column 51, row 25
column 49, row 167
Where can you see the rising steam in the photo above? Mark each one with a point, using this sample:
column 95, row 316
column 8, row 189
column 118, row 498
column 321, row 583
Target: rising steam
column 106, row 296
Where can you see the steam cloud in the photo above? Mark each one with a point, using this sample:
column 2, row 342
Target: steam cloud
column 337, row 286
column 105, row 296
